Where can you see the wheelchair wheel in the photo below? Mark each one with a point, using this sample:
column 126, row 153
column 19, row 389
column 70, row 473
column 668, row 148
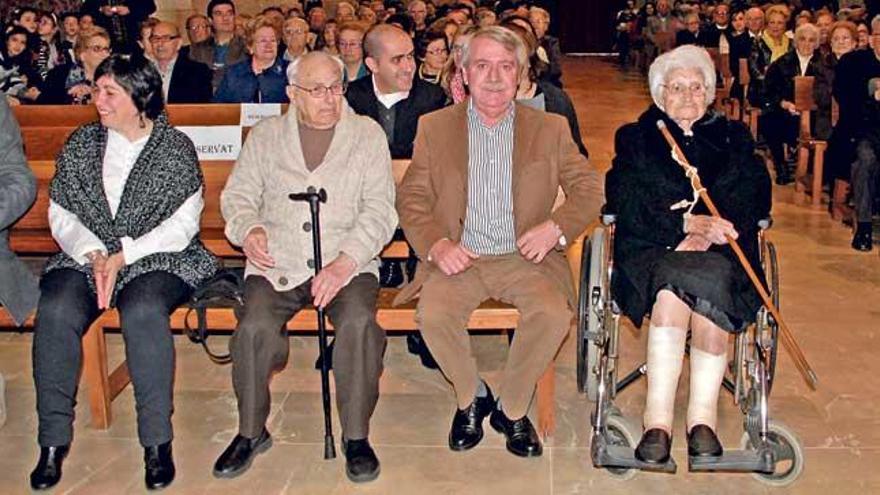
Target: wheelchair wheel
column 772, row 270
column 789, row 455
column 590, row 298
column 623, row 432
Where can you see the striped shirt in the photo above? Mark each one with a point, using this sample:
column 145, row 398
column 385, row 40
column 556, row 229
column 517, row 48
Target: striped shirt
column 488, row 223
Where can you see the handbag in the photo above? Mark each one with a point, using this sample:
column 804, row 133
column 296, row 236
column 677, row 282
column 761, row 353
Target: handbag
column 223, row 290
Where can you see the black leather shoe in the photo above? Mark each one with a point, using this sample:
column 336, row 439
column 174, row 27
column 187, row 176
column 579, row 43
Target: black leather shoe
column 361, row 463
column 467, row 424
column 654, row 447
column 522, row 439
column 239, row 455
column 863, row 238
column 48, row 471
column 702, row 442
column 415, row 344
column 158, row 466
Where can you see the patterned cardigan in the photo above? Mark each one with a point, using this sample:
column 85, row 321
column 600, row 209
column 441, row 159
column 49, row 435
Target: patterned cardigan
column 165, row 174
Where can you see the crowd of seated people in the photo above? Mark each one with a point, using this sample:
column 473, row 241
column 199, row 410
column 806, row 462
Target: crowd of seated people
column 49, row 57
column 835, row 42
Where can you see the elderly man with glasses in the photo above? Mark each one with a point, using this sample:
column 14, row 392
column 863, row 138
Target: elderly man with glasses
column 319, row 143
column 183, row 80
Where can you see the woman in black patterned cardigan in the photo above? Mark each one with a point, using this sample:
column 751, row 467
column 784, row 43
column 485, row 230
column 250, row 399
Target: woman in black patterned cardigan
column 125, row 206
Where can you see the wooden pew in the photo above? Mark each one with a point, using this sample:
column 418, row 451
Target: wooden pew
column 44, row 131
column 749, row 113
column 804, row 184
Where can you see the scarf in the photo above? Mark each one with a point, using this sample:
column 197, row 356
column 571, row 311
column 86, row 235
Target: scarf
column 777, row 49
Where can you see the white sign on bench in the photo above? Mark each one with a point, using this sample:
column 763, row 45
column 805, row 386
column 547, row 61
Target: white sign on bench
column 216, row 142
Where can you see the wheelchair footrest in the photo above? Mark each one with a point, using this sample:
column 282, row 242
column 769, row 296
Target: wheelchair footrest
column 619, row 456
column 754, row 461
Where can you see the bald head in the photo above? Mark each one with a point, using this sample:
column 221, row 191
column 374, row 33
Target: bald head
column 381, row 36
column 301, row 70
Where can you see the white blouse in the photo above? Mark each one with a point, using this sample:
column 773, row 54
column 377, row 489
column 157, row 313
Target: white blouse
column 172, row 235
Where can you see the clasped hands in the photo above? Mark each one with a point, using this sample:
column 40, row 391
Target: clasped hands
column 703, row 231
column 331, row 279
column 105, row 269
column 452, row 258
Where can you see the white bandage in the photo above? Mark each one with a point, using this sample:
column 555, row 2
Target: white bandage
column 707, row 371
column 665, row 355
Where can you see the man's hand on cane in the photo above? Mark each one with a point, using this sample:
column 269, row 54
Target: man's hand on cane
column 331, row 279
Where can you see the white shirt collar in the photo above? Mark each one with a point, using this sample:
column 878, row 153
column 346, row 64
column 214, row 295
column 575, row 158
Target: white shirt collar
column 391, row 99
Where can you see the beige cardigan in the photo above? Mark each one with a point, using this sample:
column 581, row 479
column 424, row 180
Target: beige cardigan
column 358, row 218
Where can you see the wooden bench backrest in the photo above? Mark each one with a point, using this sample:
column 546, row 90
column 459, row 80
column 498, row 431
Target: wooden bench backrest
column 45, row 128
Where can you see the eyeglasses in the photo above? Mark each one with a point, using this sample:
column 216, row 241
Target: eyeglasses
column 337, row 89
column 162, row 38
column 350, row 44
column 679, row 89
column 98, row 49
column 198, row 27
column 294, row 32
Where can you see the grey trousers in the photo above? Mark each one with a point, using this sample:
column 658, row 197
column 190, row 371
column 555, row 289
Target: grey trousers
column 260, row 346
column 865, row 172
column 67, row 308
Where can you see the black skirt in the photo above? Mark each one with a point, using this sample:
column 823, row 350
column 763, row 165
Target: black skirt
column 710, row 284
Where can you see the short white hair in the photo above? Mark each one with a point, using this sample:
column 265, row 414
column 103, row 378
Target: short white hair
column 293, row 67
column 685, row 57
column 875, row 24
column 804, row 29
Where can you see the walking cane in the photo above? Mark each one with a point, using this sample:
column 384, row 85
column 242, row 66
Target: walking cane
column 788, row 340
column 314, row 199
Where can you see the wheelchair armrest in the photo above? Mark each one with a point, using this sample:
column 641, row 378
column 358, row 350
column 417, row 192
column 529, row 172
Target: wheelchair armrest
column 765, row 223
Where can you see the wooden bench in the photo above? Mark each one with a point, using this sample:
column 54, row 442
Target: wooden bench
column 31, row 236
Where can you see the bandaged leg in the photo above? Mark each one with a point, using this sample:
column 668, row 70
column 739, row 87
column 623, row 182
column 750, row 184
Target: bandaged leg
column 665, row 355
column 708, row 363
column 707, row 371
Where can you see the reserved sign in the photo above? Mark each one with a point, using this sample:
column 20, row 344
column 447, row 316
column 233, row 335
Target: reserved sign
column 216, row 142
column 251, row 113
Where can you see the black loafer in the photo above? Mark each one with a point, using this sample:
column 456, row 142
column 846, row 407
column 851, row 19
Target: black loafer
column 467, row 424
column 654, row 447
column 522, row 439
column 158, row 466
column 702, row 442
column 48, row 471
column 361, row 463
column 239, row 455
column 863, row 238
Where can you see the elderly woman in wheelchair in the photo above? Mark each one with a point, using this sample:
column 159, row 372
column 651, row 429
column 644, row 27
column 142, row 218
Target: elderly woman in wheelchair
column 671, row 256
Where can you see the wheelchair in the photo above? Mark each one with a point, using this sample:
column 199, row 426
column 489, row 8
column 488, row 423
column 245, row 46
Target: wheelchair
column 768, row 449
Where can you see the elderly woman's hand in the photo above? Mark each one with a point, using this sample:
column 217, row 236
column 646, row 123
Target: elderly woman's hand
column 789, row 107
column 715, row 230
column 256, row 249
column 694, row 242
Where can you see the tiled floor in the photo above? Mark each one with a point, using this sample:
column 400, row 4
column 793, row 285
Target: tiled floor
column 831, row 297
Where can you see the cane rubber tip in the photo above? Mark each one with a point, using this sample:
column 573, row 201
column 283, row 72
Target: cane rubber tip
column 661, row 125
column 329, row 448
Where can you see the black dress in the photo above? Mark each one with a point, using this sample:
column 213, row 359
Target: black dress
column 641, row 186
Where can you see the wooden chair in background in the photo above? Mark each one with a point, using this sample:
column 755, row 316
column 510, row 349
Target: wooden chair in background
column 804, row 183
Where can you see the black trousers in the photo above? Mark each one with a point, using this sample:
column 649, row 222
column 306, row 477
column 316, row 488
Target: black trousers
column 67, row 308
column 260, row 346
column 865, row 173
column 779, row 128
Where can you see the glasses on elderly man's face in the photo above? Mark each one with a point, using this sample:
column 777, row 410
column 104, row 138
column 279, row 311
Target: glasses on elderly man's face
column 337, row 89
column 162, row 38
column 679, row 89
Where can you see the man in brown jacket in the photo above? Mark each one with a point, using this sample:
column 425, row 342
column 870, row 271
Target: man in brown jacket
column 477, row 205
